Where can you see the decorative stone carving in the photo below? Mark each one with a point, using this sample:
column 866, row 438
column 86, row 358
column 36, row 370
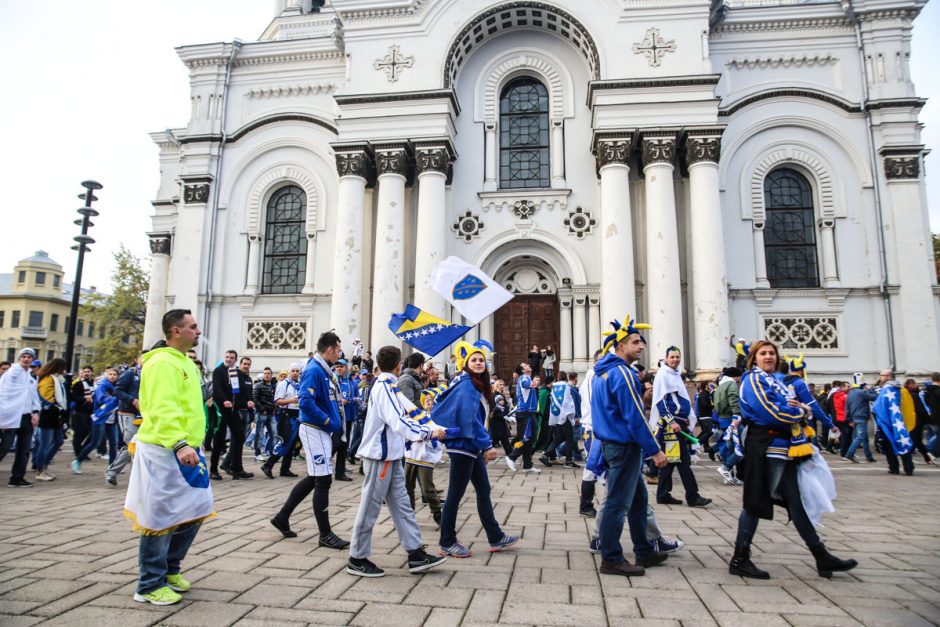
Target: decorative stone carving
column 699, row 149
column 197, row 193
column 580, row 222
column 391, row 161
column 654, row 47
column 468, row 226
column 524, row 209
column 393, row 63
column 528, row 281
column 354, row 162
column 659, row 150
column 902, row 167
column 432, row 159
column 267, row 335
column 160, row 244
column 803, row 333
column 609, row 151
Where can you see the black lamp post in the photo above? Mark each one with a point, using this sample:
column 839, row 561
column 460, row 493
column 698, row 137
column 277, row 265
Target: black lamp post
column 83, row 241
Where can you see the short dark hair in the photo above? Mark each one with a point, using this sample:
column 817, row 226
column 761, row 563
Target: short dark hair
column 244, row 358
column 5, row 363
column 232, row 352
column 935, row 376
column 388, row 357
column 267, row 369
column 414, row 360
column 572, row 376
column 673, row 349
column 172, row 318
column 327, row 340
column 562, row 375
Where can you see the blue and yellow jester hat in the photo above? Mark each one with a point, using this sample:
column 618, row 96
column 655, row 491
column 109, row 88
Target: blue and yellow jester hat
column 621, row 330
column 796, row 365
column 463, row 350
column 432, row 393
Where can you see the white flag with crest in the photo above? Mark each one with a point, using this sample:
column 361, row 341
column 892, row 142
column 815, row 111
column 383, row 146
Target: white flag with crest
column 468, row 289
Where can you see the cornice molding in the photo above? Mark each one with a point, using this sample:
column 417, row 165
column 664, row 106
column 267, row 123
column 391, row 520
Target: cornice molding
column 286, row 91
column 291, row 57
column 817, row 60
column 810, row 292
column 845, row 105
column 285, row 117
column 783, row 25
column 408, row 96
column 652, row 83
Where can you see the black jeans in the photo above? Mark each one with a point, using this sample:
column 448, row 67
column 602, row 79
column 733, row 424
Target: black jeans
column 339, row 449
column 463, row 471
column 917, row 435
column 562, row 433
column 522, row 421
column 907, row 460
column 846, row 435
column 24, row 442
column 789, row 490
column 689, row 484
column 81, row 431
column 236, row 421
column 499, row 432
column 707, row 426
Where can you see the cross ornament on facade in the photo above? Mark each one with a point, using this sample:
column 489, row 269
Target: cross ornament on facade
column 654, row 47
column 393, row 63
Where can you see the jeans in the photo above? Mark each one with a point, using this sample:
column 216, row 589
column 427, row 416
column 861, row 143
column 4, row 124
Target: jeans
column 264, row 422
column 625, row 491
column 101, row 433
column 129, row 430
column 160, row 556
column 907, row 459
column 789, row 490
column 356, row 437
column 46, row 446
column 689, row 484
column 81, row 431
column 845, row 437
column 464, row 470
column 860, row 439
column 24, row 437
column 562, row 433
column 726, row 451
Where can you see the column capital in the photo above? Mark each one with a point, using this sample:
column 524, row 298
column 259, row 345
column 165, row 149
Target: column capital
column 434, row 156
column 613, row 148
column 659, row 147
column 355, row 160
column 396, row 157
column 160, row 243
column 902, row 162
column 703, row 146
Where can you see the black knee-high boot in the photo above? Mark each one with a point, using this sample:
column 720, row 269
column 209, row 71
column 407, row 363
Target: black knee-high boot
column 587, row 498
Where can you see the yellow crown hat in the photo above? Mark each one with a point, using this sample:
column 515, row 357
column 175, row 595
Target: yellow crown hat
column 463, row 350
column 621, row 330
column 796, row 365
column 432, row 393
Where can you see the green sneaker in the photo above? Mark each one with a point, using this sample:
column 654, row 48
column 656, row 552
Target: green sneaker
column 160, row 596
column 176, row 582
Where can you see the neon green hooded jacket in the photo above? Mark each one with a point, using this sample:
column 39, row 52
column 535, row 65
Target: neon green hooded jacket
column 170, row 400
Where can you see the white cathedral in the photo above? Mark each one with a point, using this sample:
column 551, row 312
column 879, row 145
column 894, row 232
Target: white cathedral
column 718, row 168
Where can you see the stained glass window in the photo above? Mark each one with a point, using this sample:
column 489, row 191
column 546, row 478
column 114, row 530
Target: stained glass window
column 523, row 135
column 285, row 243
column 790, row 233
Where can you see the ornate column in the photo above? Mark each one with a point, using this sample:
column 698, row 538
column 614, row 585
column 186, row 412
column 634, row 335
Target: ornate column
column 392, row 167
column 710, row 324
column 915, row 316
column 580, row 331
column 486, row 330
column 432, row 165
column 594, row 325
column 254, row 264
column 760, row 255
column 490, row 149
column 354, row 166
column 160, row 244
column 618, row 296
column 564, row 351
column 663, row 292
column 311, row 263
column 828, row 243
column 558, row 154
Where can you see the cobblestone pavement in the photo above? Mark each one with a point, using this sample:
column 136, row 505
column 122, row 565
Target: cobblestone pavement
column 67, row 557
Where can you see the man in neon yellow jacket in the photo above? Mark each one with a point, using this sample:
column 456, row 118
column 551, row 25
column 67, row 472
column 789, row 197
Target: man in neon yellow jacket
column 168, row 495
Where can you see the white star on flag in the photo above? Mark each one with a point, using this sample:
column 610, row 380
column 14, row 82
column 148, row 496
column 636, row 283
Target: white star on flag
column 890, row 394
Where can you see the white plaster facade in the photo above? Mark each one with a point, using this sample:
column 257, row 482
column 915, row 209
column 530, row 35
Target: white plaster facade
column 664, row 152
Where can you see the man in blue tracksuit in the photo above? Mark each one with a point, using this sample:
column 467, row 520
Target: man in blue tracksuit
column 527, row 405
column 626, row 439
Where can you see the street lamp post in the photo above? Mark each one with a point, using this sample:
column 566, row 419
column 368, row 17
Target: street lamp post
column 83, row 241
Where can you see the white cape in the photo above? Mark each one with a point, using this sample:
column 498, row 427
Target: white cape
column 668, row 381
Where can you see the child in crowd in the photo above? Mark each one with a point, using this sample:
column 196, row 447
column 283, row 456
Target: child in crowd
column 421, row 457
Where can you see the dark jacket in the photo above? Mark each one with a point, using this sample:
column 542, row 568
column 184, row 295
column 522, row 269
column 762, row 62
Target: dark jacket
column 410, row 385
column 222, row 389
column 932, row 398
column 920, row 410
column 127, row 390
column 263, row 394
column 80, row 406
column 858, row 404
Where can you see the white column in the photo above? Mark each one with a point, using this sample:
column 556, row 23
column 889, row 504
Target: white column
column 828, row 244
column 432, row 163
column 565, row 351
column 311, row 265
column 618, row 293
column 388, row 276
column 490, row 148
column 915, row 308
column 156, row 294
column 558, row 155
column 354, row 167
column 486, row 330
column 711, row 325
column 254, row 268
column 663, row 292
column 594, row 325
column 578, row 313
column 760, row 255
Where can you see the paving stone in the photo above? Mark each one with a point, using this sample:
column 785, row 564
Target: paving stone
column 284, row 616
column 208, row 613
column 551, row 613
column 672, row 608
column 9, row 620
column 232, row 582
column 273, row 595
column 385, row 614
column 90, row 616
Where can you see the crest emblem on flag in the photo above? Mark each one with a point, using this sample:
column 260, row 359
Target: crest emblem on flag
column 468, row 287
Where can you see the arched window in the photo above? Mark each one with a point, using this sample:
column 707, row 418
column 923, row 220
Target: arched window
column 285, row 244
column 790, row 233
column 523, row 135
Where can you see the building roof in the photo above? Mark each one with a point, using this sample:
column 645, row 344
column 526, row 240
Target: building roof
column 40, row 256
column 6, row 289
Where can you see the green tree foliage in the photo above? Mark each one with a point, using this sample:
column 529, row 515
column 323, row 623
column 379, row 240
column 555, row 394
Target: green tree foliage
column 122, row 313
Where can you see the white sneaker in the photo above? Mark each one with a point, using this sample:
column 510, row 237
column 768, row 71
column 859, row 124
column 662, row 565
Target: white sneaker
column 99, row 456
column 510, row 463
column 724, row 472
column 42, row 475
column 76, row 467
column 533, row 470
column 261, row 458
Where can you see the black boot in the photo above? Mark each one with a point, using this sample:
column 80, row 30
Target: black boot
column 742, row 566
column 587, row 496
column 827, row 563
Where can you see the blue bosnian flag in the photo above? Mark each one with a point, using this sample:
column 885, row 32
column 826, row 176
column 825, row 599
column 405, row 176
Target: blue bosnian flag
column 887, row 410
column 425, row 332
column 468, row 289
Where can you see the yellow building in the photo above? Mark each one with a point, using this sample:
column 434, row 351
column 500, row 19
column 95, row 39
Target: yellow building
column 34, row 312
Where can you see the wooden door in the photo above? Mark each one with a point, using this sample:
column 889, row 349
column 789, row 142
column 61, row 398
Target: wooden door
column 520, row 323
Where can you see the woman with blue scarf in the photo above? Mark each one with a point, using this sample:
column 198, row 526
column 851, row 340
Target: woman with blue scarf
column 776, row 443
column 465, row 406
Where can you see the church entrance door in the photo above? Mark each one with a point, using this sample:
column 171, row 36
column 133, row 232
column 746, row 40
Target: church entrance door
column 520, row 323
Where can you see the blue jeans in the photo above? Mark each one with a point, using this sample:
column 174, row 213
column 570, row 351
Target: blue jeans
column 625, row 491
column 464, row 470
column 160, row 556
column 264, row 423
column 45, row 447
column 861, row 439
column 356, row 439
column 101, row 432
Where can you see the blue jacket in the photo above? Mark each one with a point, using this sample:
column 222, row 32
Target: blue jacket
column 527, row 397
column 105, row 401
column 127, row 390
column 617, row 405
column 460, row 406
column 805, row 396
column 350, row 389
column 318, row 403
column 857, row 408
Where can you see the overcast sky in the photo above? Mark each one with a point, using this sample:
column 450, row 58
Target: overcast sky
column 85, row 82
